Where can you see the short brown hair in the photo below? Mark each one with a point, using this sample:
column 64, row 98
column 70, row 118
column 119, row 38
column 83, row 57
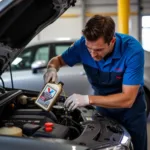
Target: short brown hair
column 99, row 26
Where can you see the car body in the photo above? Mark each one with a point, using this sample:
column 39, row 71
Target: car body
column 81, row 129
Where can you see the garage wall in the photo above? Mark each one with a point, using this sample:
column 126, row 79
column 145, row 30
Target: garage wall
column 146, row 7
column 68, row 27
column 70, row 24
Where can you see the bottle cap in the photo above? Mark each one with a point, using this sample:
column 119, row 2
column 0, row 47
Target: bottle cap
column 61, row 83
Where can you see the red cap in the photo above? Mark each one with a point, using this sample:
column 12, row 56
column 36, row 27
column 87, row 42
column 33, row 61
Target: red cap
column 48, row 129
column 48, row 124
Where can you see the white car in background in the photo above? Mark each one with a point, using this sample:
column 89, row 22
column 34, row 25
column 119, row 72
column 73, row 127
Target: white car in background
column 29, row 67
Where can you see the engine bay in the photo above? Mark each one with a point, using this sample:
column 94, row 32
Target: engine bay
column 84, row 126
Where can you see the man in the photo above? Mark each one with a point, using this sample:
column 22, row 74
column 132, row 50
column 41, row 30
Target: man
column 114, row 65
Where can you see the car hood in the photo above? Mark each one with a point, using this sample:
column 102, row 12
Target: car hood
column 21, row 20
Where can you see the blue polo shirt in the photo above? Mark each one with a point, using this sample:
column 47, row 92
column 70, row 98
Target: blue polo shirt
column 125, row 66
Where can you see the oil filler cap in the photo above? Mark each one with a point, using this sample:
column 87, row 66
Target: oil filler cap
column 48, row 125
column 48, row 129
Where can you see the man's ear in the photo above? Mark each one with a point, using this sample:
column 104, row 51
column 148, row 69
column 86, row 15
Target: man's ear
column 113, row 40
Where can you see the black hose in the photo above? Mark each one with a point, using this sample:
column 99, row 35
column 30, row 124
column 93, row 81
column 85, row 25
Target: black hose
column 53, row 117
column 72, row 120
column 74, row 128
column 62, row 122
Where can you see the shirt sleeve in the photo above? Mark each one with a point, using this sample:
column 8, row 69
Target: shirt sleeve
column 134, row 69
column 72, row 55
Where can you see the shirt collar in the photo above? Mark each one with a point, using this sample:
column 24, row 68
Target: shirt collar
column 117, row 48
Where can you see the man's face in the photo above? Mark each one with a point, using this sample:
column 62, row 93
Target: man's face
column 99, row 49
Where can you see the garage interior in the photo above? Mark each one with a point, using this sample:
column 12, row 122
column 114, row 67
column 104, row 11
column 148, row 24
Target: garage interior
column 131, row 17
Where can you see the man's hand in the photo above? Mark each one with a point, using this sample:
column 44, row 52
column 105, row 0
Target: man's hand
column 50, row 75
column 76, row 100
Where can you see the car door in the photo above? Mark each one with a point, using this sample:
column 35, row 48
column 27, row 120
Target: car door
column 74, row 78
column 23, row 77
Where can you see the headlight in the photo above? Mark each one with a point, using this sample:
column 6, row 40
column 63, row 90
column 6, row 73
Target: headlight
column 119, row 147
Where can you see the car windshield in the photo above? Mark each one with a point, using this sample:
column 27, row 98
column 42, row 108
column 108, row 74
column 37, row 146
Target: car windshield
column 4, row 4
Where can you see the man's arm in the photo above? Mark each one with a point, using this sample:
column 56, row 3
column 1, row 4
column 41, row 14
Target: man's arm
column 53, row 66
column 69, row 57
column 132, row 80
column 56, row 62
column 120, row 100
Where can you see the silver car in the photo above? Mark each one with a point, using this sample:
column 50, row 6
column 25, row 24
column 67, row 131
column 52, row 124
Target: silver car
column 28, row 69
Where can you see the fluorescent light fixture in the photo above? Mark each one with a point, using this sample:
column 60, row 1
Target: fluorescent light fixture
column 17, row 61
column 63, row 39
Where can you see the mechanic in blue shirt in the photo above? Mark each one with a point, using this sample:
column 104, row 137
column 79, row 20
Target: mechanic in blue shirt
column 114, row 64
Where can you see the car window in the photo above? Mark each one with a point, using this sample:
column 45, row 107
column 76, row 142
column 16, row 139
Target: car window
column 23, row 61
column 59, row 49
column 4, row 4
column 29, row 55
column 42, row 53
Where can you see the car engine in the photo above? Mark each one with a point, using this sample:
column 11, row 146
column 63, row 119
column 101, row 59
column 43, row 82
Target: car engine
column 84, row 126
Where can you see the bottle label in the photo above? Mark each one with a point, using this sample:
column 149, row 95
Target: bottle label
column 46, row 96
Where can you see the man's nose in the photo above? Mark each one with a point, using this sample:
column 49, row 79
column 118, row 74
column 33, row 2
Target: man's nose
column 93, row 54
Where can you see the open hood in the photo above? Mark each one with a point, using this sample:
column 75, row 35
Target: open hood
column 21, row 20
